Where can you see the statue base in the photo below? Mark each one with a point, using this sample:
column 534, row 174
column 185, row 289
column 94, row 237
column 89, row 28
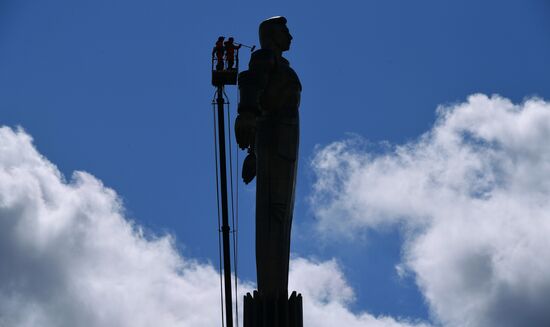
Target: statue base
column 264, row 312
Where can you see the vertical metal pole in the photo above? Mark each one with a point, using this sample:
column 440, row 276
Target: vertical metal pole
column 225, row 211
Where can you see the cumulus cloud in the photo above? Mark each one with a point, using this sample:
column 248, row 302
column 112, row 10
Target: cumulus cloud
column 327, row 296
column 68, row 257
column 472, row 197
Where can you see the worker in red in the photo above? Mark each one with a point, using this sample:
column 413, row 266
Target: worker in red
column 230, row 48
column 219, row 50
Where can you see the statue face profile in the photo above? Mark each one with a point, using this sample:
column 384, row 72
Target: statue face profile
column 274, row 34
column 282, row 37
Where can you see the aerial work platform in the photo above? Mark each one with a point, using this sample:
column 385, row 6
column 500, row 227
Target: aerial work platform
column 224, row 77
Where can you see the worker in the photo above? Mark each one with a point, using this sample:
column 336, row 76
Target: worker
column 219, row 50
column 230, row 48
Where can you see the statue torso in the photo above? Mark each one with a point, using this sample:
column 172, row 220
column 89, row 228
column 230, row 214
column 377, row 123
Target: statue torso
column 281, row 92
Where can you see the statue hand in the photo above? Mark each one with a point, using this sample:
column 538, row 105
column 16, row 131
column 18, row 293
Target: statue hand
column 245, row 130
column 249, row 168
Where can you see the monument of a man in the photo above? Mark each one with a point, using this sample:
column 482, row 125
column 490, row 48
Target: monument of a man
column 267, row 125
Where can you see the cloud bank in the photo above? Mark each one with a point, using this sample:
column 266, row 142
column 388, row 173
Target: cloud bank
column 68, row 257
column 472, row 196
column 327, row 296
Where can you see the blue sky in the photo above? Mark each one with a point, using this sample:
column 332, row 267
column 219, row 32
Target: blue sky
column 121, row 89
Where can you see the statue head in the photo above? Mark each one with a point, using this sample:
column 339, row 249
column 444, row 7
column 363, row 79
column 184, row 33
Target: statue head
column 274, row 34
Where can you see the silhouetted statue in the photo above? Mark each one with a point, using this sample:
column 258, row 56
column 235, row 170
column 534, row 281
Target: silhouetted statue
column 268, row 126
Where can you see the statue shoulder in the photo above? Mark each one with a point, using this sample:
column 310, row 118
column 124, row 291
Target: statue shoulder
column 263, row 59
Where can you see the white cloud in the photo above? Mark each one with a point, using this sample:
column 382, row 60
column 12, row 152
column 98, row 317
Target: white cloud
column 327, row 296
column 471, row 195
column 68, row 257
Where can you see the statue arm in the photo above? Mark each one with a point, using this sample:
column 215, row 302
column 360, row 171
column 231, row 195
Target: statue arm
column 252, row 84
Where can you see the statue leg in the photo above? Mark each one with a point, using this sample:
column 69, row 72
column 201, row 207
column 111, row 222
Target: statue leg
column 276, row 178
